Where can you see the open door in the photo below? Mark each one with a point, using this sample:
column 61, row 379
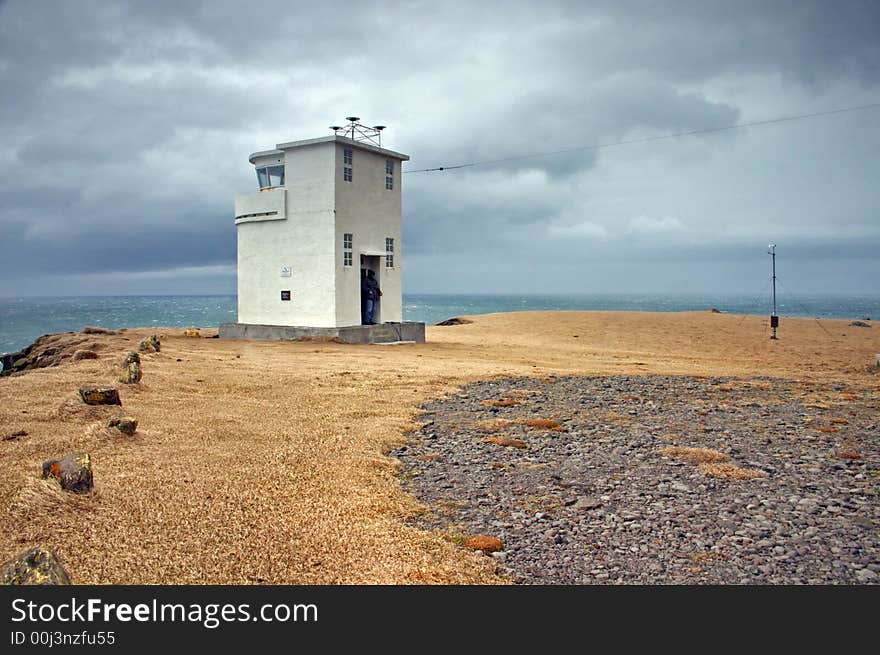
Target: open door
column 371, row 263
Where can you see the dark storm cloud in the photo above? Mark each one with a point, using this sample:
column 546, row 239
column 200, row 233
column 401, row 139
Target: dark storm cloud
column 126, row 128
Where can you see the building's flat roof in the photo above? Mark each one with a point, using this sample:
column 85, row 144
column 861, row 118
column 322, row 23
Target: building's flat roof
column 281, row 147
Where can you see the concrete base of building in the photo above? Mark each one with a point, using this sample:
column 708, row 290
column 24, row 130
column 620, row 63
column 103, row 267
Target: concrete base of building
column 382, row 333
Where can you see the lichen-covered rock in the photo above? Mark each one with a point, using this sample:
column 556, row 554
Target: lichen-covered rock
column 74, row 472
column 125, row 424
column 192, row 332
column 85, row 354
column 131, row 369
column 36, row 566
column 100, row 395
column 151, row 345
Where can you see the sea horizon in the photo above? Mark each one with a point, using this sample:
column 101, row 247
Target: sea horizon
column 25, row 318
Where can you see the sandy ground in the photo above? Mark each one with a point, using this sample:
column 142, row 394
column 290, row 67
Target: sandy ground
column 264, row 462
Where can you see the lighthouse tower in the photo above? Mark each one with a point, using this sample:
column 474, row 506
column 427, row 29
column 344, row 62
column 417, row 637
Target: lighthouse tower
column 327, row 214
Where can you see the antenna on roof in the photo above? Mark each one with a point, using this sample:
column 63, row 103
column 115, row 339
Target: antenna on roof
column 357, row 132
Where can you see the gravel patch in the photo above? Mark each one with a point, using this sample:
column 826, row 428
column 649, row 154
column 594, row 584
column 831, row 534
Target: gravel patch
column 784, row 488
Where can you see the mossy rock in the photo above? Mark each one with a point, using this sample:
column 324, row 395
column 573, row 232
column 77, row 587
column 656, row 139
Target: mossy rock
column 125, row 424
column 36, row 566
column 100, row 395
column 73, row 471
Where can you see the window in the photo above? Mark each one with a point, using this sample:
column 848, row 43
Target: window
column 389, row 174
column 346, row 174
column 347, row 239
column 346, row 258
column 389, row 244
column 389, row 261
column 270, row 176
column 347, row 156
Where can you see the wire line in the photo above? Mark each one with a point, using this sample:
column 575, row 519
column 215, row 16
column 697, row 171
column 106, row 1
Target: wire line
column 660, row 137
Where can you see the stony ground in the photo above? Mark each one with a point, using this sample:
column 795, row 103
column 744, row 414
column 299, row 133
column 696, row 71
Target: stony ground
column 657, row 479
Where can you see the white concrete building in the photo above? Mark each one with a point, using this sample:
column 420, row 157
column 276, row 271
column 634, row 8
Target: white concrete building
column 328, row 209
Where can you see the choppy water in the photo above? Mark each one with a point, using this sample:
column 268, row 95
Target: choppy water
column 24, row 319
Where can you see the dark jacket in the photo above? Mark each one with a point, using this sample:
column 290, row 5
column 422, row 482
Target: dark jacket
column 370, row 288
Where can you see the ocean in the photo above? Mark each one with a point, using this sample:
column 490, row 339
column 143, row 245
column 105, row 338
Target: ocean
column 22, row 320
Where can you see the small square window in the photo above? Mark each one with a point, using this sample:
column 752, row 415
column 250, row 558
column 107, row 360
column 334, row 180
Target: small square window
column 346, row 174
column 346, row 258
column 389, row 167
column 389, row 244
column 347, row 156
column 389, row 183
column 389, row 261
column 347, row 240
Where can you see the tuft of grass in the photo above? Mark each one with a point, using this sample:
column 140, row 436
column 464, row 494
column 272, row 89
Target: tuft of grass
column 694, row 455
column 542, row 424
column 839, row 421
column 522, row 393
column 507, row 402
column 507, row 441
column 827, row 429
column 848, row 454
column 730, row 471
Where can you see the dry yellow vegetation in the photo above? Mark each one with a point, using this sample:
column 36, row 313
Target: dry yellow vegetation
column 265, row 462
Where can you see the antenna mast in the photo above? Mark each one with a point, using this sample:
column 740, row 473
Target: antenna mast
column 357, row 132
column 774, row 319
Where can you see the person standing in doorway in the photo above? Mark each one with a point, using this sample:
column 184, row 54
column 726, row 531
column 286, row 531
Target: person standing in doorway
column 370, row 293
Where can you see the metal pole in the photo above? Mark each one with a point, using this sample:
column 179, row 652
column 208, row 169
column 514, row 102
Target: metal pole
column 774, row 319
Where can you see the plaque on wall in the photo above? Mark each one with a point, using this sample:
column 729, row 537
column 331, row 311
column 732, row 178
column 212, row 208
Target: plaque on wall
column 286, row 271
column 285, row 295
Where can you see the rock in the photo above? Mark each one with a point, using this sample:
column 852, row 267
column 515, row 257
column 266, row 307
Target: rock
column 125, row 424
column 877, row 360
column 84, row 354
column 454, row 321
column 131, row 369
column 485, row 543
column 586, row 504
column 100, row 395
column 192, row 332
column 96, row 330
column 74, row 472
column 714, row 311
column 151, row 345
column 36, row 566
column 859, row 324
column 15, row 436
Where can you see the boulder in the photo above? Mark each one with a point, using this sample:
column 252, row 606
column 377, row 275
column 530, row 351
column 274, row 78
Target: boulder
column 131, row 369
column 125, row 424
column 192, row 332
column 151, row 345
column 84, row 354
column 36, row 566
column 74, row 472
column 485, row 543
column 859, row 324
column 456, row 320
column 100, row 395
column 877, row 360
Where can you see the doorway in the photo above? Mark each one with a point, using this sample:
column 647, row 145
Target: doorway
column 371, row 263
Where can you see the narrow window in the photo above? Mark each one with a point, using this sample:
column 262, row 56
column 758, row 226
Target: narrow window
column 389, row 182
column 346, row 174
column 347, row 156
column 389, row 244
column 346, row 258
column 347, row 240
column 389, row 261
column 389, row 167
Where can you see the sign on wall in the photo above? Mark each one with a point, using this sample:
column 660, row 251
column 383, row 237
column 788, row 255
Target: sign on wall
column 286, row 271
column 285, row 295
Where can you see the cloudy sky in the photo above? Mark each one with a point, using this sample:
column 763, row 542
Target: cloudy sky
column 125, row 129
